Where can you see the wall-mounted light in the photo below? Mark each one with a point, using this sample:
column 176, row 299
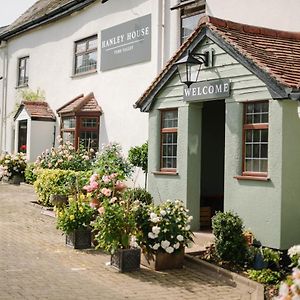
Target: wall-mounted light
column 189, row 66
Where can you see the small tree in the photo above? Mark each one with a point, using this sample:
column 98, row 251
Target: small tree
column 138, row 157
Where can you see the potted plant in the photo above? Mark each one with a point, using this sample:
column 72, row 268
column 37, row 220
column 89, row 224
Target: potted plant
column 12, row 167
column 163, row 233
column 74, row 220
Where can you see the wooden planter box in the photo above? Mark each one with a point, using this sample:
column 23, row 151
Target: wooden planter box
column 163, row 260
column 79, row 238
column 126, row 260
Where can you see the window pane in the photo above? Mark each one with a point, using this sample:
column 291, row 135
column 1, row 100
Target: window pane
column 169, row 119
column 264, row 151
column 92, row 44
column 188, row 25
column 68, row 123
column 81, row 47
column 264, row 165
column 89, row 122
column 89, row 139
column 69, row 136
column 169, row 150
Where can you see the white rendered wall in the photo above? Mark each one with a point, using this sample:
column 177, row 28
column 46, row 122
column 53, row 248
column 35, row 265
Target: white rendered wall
column 277, row 14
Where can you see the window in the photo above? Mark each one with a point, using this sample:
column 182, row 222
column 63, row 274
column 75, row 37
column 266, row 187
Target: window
column 190, row 16
column 68, row 128
column 255, row 131
column 169, row 124
column 86, row 55
column 23, row 71
column 89, row 131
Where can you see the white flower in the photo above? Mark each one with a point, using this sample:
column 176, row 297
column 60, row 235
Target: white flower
column 169, row 250
column 165, row 244
column 151, row 235
column 188, row 227
column 156, row 230
column 163, row 212
column 283, row 290
column 190, row 218
column 156, row 246
column 295, row 250
column 190, row 244
column 176, row 246
column 179, row 237
column 153, row 215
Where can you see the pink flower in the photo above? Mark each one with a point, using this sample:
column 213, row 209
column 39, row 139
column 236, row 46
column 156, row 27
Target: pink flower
column 120, row 186
column 106, row 192
column 94, row 203
column 93, row 178
column 106, row 179
column 88, row 188
column 101, row 210
column 94, row 185
column 113, row 175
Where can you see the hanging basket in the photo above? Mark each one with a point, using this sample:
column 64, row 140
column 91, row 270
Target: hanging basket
column 162, row 260
column 126, row 260
column 79, row 238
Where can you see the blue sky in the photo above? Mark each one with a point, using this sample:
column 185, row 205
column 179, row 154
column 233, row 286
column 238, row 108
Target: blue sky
column 12, row 9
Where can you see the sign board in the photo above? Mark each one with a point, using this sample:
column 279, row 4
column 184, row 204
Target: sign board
column 207, row 90
column 126, row 44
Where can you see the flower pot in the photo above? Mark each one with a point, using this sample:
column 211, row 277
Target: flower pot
column 162, row 260
column 79, row 238
column 16, row 179
column 126, row 260
column 59, row 200
column 259, row 262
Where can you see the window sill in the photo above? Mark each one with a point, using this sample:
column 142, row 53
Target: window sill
column 84, row 74
column 165, row 173
column 248, row 177
column 22, row 86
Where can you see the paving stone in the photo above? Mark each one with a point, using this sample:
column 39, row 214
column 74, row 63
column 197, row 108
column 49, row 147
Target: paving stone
column 35, row 264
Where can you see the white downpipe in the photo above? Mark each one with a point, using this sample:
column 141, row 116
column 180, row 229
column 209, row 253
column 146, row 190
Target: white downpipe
column 160, row 34
column 3, row 47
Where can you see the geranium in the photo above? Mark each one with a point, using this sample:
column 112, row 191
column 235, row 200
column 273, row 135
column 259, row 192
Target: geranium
column 163, row 227
column 12, row 164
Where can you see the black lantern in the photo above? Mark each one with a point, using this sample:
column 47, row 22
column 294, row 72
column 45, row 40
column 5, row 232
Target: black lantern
column 189, row 67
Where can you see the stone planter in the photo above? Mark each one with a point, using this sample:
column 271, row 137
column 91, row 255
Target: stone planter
column 126, row 260
column 79, row 238
column 59, row 200
column 163, row 260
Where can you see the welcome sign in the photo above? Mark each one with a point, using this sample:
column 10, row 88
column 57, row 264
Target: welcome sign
column 126, row 44
column 207, row 90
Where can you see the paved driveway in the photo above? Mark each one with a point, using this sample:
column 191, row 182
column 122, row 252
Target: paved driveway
column 35, row 264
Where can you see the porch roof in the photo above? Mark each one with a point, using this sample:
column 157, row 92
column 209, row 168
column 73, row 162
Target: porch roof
column 272, row 55
column 81, row 103
column 37, row 110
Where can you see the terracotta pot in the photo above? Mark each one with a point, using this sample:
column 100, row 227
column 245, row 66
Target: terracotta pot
column 163, row 260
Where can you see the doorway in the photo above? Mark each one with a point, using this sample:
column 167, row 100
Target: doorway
column 212, row 161
column 22, row 136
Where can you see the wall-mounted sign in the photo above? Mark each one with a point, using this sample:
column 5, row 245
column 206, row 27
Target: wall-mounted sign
column 207, row 90
column 126, row 44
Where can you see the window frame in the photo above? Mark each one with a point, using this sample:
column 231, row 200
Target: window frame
column 164, row 130
column 21, row 83
column 85, row 52
column 81, row 128
column 253, row 126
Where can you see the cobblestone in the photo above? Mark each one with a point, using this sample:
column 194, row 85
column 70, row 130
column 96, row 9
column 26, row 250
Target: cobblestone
column 35, row 264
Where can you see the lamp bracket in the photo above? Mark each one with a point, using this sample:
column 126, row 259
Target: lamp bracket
column 202, row 57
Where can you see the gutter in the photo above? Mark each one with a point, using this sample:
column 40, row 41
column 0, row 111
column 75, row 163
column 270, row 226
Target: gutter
column 58, row 13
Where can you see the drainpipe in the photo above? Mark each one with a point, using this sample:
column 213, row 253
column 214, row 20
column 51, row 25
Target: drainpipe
column 160, row 34
column 3, row 47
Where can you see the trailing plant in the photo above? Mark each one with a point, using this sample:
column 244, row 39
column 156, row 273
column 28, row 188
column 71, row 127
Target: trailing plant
column 163, row 227
column 30, row 95
column 30, row 173
column 78, row 214
column 265, row 276
column 138, row 157
column 111, row 161
column 58, row 182
column 12, row 164
column 66, row 157
column 139, row 194
column 229, row 240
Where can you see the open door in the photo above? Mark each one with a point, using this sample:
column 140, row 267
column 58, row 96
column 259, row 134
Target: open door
column 22, row 137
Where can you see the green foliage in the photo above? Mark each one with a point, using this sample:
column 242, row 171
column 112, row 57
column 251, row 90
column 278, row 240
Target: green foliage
column 12, row 164
column 58, row 182
column 30, row 174
column 265, row 276
column 110, row 160
column 139, row 194
column 271, row 256
column 115, row 225
column 77, row 215
column 138, row 156
column 30, row 95
column 229, row 240
column 65, row 157
column 163, row 227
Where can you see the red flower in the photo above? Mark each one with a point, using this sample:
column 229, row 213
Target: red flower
column 23, row 148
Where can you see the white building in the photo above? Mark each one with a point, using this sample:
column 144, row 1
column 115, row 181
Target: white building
column 112, row 49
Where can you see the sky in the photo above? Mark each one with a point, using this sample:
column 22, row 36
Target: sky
column 10, row 10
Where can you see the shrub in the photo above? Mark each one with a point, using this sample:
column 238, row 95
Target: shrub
column 77, row 215
column 12, row 164
column 229, row 240
column 65, row 157
column 30, row 174
column 265, row 276
column 139, row 194
column 58, row 182
column 111, row 161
